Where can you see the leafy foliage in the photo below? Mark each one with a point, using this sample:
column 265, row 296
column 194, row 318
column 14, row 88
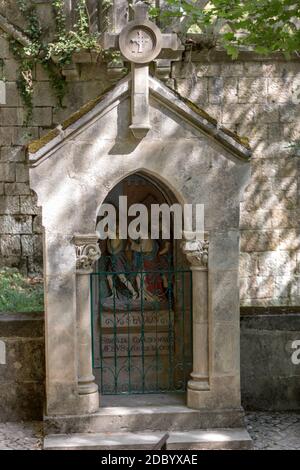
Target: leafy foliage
column 266, row 25
column 18, row 294
column 65, row 43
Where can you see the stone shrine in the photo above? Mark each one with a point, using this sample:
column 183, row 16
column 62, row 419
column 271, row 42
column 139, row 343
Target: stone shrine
column 140, row 129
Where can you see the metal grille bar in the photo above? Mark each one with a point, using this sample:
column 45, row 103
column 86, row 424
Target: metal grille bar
column 142, row 344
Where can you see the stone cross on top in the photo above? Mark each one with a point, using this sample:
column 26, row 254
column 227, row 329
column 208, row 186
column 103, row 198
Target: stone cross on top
column 140, row 42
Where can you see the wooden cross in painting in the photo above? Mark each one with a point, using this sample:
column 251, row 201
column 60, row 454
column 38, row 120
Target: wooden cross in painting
column 140, row 42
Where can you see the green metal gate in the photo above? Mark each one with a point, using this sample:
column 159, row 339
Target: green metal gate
column 142, row 339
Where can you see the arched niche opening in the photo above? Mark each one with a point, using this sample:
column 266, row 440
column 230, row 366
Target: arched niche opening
column 142, row 301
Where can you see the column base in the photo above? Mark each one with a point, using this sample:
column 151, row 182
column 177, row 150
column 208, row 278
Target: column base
column 89, row 403
column 86, row 385
column 195, row 398
column 198, row 384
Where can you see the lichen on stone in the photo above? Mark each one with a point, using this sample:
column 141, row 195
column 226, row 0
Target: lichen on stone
column 85, row 109
column 81, row 112
column 240, row 139
column 36, row 145
column 194, row 107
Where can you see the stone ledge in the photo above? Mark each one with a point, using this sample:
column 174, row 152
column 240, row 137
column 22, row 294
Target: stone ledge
column 22, row 324
column 152, row 418
column 276, row 318
column 194, row 439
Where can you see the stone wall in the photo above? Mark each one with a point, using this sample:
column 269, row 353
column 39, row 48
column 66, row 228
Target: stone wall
column 257, row 97
column 20, row 218
column 22, row 367
column 269, row 378
column 260, row 99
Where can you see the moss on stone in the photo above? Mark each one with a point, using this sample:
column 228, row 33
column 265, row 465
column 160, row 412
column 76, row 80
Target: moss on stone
column 81, row 112
column 239, row 139
column 85, row 109
column 36, row 145
column 200, row 111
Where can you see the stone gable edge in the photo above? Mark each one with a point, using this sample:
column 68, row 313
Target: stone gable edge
column 196, row 116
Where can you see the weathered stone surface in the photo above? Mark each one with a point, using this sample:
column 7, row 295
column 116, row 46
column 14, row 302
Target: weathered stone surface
column 42, row 116
column 223, row 90
column 9, row 205
column 10, row 69
column 252, row 90
column 43, row 95
column 259, row 240
column 28, row 205
column 21, row 435
column 276, row 262
column 21, row 401
column 31, row 245
column 7, row 135
column 22, row 377
column 15, row 224
column 269, row 379
column 11, row 116
column 22, row 135
column 15, row 189
column 12, row 154
column 279, row 90
column 7, row 171
column 10, row 245
column 37, row 224
column 194, row 91
column 12, row 95
column 22, row 173
column 132, row 418
column 188, row 440
column 4, row 48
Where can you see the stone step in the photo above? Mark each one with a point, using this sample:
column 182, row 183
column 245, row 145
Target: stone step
column 144, row 418
column 211, row 439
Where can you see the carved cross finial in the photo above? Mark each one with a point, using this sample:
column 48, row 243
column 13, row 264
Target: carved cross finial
column 140, row 42
column 141, row 10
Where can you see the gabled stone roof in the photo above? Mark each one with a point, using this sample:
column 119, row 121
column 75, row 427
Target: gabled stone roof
column 13, row 31
column 238, row 146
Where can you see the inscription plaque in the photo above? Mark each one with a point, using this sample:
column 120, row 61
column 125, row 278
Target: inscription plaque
column 133, row 344
column 122, row 333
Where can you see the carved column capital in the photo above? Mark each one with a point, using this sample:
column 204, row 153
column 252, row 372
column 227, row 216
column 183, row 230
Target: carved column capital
column 87, row 252
column 196, row 252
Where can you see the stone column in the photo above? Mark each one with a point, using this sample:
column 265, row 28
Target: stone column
column 87, row 252
column 196, row 252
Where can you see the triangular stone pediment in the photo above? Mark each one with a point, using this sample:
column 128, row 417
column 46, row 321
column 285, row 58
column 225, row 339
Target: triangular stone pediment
column 187, row 111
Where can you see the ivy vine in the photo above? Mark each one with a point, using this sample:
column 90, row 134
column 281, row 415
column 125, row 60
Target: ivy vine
column 54, row 55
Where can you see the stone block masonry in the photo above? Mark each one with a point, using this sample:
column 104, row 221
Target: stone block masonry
column 260, row 99
column 22, row 371
column 256, row 97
